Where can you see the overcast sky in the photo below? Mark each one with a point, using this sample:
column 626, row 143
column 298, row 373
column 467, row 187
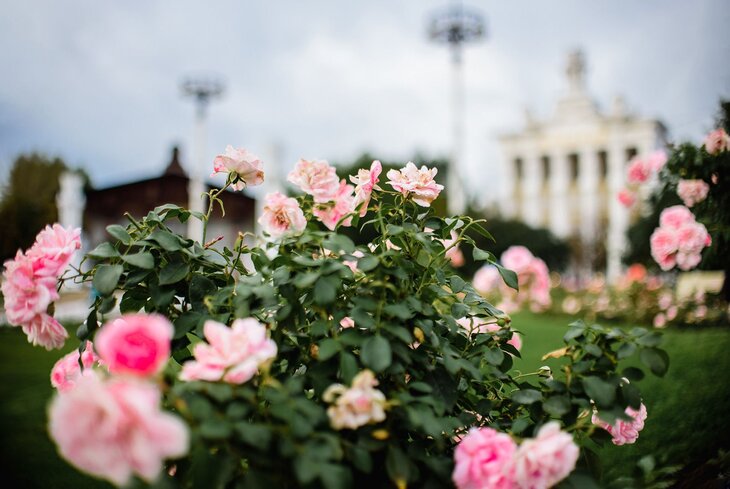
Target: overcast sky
column 97, row 82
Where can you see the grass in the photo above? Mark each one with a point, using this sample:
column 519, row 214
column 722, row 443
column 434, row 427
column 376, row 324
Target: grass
column 688, row 409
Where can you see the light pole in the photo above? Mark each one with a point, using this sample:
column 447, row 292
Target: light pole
column 456, row 26
column 202, row 90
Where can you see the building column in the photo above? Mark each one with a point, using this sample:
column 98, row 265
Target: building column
column 509, row 193
column 531, row 190
column 559, row 212
column 618, row 215
column 71, row 202
column 588, row 203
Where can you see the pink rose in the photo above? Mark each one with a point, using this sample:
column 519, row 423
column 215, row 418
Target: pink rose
column 418, row 184
column 53, row 249
column 672, row 313
column 352, row 264
column 483, row 459
column 624, row 432
column 115, row 429
column 136, row 344
column 43, row 330
column 332, row 213
column 675, row 216
column 717, row 141
column 26, row 293
column 545, row 460
column 232, row 355
column 660, row 320
column 664, row 245
column 517, row 258
column 357, row 405
column 347, row 322
column 66, row 371
column 626, row 197
column 692, row 191
column 245, row 166
column 639, row 171
column 487, row 279
column 282, row 215
column 474, row 325
column 657, row 160
column 365, row 182
column 316, row 178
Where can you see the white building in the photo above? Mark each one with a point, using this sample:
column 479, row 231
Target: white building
column 564, row 173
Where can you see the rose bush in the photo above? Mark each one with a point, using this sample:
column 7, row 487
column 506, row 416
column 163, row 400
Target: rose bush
column 321, row 364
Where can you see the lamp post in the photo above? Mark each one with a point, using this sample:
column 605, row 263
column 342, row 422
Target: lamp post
column 456, row 26
column 202, row 90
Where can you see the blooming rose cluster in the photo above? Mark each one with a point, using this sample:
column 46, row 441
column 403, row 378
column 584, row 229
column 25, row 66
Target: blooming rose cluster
column 233, row 355
column 417, row 184
column 357, row 405
column 282, row 216
column 487, row 458
column 624, row 432
column 692, row 191
column 110, row 424
column 533, row 278
column 29, row 284
column 474, row 325
column 245, row 167
column 639, row 172
column 679, row 239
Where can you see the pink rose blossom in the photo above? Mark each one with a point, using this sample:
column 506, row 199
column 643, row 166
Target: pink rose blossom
column 246, row 166
column 282, row 216
column 53, row 250
column 66, row 371
column 657, row 160
column 660, row 320
column 357, row 405
column 672, row 313
column 352, row 264
column 545, row 460
column 115, row 429
column 135, row 344
column 26, row 293
column 626, row 197
column 316, row 178
column 717, row 141
column 639, row 171
column 676, row 216
column 365, row 182
column 692, row 191
column 332, row 213
column 483, row 459
column 347, row 322
column 517, row 258
column 624, row 432
column 474, row 325
column 418, row 184
column 487, row 279
column 664, row 244
column 233, row 355
column 43, row 330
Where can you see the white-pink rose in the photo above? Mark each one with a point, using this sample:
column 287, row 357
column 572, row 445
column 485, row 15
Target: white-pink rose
column 545, row 460
column 692, row 191
column 626, row 197
column 115, row 429
column 282, row 216
column 26, row 293
column 657, row 160
column 484, row 459
column 357, row 405
column 639, row 171
column 66, row 371
column 341, row 204
column 664, row 245
column 717, row 141
column 135, row 344
column 43, row 330
column 241, row 163
column 365, row 182
column 624, row 432
column 679, row 239
column 233, row 355
column 418, row 184
column 486, row 279
column 53, row 249
column 675, row 216
column 316, row 178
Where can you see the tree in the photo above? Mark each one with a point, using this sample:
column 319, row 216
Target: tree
column 29, row 201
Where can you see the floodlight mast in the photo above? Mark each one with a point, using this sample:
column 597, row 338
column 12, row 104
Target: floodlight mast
column 456, row 26
column 202, row 90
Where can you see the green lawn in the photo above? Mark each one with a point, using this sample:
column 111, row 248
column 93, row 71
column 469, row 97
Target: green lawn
column 688, row 409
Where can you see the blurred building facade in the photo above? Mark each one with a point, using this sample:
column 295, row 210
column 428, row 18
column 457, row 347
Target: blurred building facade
column 564, row 173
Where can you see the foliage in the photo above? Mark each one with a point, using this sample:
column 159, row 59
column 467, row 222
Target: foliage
column 404, row 299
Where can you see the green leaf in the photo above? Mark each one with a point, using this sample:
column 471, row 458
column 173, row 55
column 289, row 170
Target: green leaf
column 167, row 240
column 526, row 396
column 631, row 395
column 325, row 290
column 574, row 332
column 556, row 405
column 106, row 278
column 509, row 277
column 397, row 465
column 143, row 259
column 400, row 311
column 625, row 350
column 173, row 272
column 457, row 284
column 104, row 250
column 376, row 353
column 481, row 255
column 494, row 356
column 119, row 232
column 367, row 263
column 633, row 373
column 657, row 360
column 327, row 349
column 306, row 279
column 256, row 435
column 348, row 366
column 601, row 391
column 650, row 340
